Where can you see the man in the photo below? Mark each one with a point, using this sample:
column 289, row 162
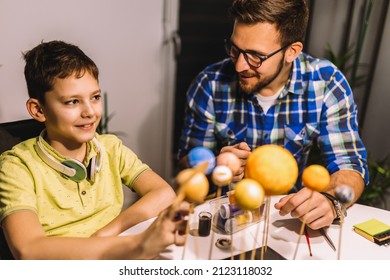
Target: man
column 270, row 92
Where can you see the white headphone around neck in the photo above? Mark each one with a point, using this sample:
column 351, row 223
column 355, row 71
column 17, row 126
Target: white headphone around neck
column 71, row 168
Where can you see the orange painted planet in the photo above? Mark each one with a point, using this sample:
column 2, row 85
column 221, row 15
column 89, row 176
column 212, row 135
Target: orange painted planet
column 230, row 160
column 316, row 177
column 193, row 184
column 273, row 167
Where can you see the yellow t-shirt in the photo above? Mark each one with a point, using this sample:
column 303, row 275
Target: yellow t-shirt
column 65, row 207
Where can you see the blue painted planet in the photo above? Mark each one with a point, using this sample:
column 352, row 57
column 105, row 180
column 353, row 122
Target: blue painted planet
column 199, row 155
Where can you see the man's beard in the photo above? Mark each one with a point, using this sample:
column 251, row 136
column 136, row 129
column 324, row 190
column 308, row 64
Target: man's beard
column 261, row 83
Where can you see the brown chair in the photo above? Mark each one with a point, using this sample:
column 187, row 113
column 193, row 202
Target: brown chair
column 11, row 133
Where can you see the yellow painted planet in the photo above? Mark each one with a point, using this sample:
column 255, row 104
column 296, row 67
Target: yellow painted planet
column 248, row 194
column 316, row 177
column 273, row 167
column 193, row 185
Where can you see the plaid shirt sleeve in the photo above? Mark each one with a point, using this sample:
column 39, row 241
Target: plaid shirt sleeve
column 339, row 140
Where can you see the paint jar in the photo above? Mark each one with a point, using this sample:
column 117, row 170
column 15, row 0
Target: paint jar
column 204, row 223
column 228, row 210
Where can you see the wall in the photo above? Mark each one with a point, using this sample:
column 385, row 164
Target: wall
column 376, row 133
column 126, row 39
column 328, row 23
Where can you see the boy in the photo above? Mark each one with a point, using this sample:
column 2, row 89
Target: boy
column 61, row 193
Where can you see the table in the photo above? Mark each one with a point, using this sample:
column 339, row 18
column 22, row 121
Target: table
column 282, row 238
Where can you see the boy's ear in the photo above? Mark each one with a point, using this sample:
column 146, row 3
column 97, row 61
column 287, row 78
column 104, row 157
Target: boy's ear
column 293, row 51
column 35, row 109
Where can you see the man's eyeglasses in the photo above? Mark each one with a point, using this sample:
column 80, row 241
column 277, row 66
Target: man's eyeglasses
column 252, row 58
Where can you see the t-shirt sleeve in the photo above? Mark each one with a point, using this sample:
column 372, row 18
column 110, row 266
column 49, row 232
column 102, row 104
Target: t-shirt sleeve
column 122, row 158
column 16, row 186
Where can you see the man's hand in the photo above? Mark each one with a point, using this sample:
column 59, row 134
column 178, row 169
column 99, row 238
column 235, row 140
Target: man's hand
column 318, row 211
column 308, row 206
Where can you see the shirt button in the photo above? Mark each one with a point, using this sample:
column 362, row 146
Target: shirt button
column 83, row 192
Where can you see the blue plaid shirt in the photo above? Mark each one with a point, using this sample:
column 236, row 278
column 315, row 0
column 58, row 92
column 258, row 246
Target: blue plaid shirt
column 316, row 104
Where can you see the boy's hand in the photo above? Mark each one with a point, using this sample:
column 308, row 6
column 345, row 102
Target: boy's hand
column 164, row 231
